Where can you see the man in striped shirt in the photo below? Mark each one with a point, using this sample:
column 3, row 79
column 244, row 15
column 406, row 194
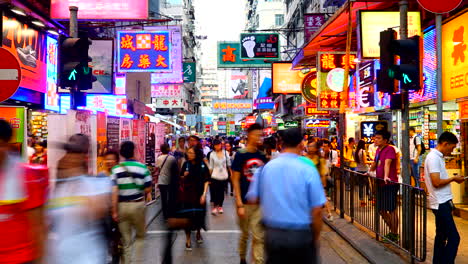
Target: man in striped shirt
column 132, row 182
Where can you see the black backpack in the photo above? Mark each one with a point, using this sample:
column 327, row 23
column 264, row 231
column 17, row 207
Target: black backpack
column 423, row 148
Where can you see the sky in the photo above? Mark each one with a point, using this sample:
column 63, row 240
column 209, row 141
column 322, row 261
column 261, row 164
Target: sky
column 219, row 20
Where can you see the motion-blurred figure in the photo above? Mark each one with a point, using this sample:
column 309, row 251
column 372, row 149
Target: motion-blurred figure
column 77, row 208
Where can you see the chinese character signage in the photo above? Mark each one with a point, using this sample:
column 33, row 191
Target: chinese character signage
column 316, row 123
column 29, row 46
column 232, row 106
column 312, row 110
column 330, row 78
column 101, row 9
column 112, row 105
column 51, row 98
column 166, row 90
column 176, row 75
column 463, row 110
column 190, row 73
column 454, row 52
column 260, row 46
column 229, row 57
column 312, row 22
column 373, row 22
column 144, row 51
column 285, row 80
column 368, row 129
column 309, row 87
column 168, row 102
column 16, row 117
column 264, row 103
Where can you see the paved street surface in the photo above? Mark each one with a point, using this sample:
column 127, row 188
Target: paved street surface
column 220, row 243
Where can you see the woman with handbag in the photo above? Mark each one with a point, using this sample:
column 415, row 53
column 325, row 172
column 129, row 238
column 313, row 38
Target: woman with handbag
column 167, row 167
column 191, row 198
column 219, row 169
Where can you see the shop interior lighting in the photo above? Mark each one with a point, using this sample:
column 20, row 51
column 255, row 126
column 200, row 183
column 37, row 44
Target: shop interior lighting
column 18, row 11
column 38, row 23
column 356, row 60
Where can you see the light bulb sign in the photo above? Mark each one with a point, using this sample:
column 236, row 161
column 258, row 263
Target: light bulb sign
column 316, row 123
column 368, row 129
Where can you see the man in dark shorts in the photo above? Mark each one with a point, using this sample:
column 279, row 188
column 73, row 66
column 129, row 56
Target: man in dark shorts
column 385, row 166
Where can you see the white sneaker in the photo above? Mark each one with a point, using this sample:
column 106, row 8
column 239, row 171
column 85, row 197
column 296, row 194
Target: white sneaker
column 220, row 210
column 214, row 211
column 330, row 217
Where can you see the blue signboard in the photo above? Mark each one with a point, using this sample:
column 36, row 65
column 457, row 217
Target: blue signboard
column 144, row 51
column 51, row 98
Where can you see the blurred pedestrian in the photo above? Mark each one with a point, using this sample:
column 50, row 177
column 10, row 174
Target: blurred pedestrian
column 194, row 182
column 40, row 154
column 416, row 150
column 132, row 183
column 313, row 153
column 23, row 189
column 246, row 162
column 385, row 167
column 77, row 209
column 440, row 198
column 360, row 156
column 168, row 168
column 231, row 153
column 111, row 159
column 219, row 165
column 349, row 152
column 179, row 153
column 291, row 198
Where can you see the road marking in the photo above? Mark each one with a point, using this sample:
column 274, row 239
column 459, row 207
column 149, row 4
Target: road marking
column 209, row 232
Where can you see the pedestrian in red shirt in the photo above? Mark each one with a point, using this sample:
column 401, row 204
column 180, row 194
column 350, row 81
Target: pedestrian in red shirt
column 22, row 196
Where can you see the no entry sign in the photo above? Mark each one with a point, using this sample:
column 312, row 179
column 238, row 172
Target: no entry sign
column 438, row 6
column 10, row 74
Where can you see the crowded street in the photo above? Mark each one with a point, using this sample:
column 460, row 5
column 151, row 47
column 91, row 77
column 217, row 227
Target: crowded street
column 233, row 131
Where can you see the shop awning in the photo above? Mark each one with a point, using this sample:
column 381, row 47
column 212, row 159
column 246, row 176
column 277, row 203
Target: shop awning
column 160, row 118
column 332, row 35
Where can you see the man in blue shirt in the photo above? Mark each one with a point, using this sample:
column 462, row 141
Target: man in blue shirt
column 291, row 197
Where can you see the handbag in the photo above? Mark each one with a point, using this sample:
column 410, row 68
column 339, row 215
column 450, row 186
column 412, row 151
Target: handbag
column 157, row 170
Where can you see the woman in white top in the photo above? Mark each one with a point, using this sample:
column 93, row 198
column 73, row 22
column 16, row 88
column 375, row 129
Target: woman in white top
column 220, row 163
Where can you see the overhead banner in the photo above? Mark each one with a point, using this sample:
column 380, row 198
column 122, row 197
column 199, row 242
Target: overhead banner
column 373, row 22
column 51, row 98
column 166, row 90
column 260, row 46
column 30, row 47
column 454, row 52
column 229, row 56
column 190, row 72
column 176, row 75
column 330, row 78
column 239, row 88
column 232, row 106
column 102, row 64
column 101, row 9
column 285, row 80
column 312, row 23
column 316, row 123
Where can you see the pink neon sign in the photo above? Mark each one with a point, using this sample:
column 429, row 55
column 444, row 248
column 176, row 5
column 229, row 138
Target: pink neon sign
column 101, row 9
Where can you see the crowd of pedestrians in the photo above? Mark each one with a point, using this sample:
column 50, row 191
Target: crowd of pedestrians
column 279, row 186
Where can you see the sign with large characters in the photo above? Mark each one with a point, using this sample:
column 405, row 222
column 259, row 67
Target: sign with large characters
column 312, row 23
column 168, row 102
column 454, row 58
column 260, row 46
column 190, row 72
column 330, row 78
column 373, row 22
column 229, row 56
column 112, row 105
column 100, row 9
column 30, row 47
column 232, row 106
column 176, row 74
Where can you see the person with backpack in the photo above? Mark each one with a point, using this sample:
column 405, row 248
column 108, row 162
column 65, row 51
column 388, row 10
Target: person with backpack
column 417, row 149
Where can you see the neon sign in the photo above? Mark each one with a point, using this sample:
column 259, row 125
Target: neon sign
column 112, row 105
column 51, row 98
column 144, row 51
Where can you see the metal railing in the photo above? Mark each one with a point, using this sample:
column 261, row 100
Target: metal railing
column 395, row 212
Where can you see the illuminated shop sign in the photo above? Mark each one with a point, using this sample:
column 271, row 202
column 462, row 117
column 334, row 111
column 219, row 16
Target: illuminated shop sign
column 285, row 80
column 100, row 9
column 229, row 57
column 330, row 78
column 166, row 90
column 232, row 106
column 51, row 98
column 312, row 110
column 316, row 123
column 144, row 51
column 260, row 46
column 112, row 105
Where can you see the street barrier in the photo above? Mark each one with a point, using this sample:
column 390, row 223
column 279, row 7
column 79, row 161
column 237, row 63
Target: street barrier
column 395, row 212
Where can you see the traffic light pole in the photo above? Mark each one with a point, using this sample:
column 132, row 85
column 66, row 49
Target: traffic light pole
column 73, row 34
column 408, row 207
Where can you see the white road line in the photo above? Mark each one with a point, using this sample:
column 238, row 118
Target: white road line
column 209, row 232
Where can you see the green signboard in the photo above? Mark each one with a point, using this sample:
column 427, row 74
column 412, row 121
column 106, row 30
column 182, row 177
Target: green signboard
column 229, row 57
column 291, row 124
column 190, row 72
